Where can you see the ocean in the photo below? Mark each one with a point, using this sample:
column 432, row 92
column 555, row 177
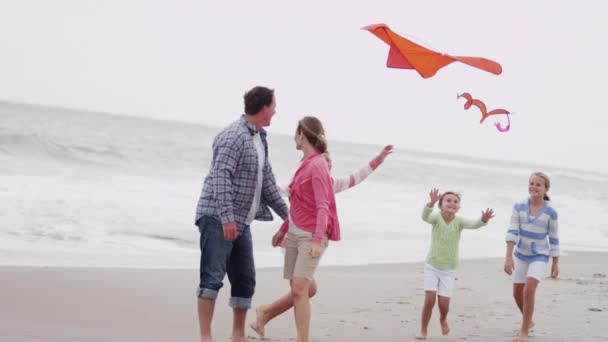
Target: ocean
column 81, row 188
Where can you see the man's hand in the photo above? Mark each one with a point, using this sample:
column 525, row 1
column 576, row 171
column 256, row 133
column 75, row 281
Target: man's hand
column 230, row 231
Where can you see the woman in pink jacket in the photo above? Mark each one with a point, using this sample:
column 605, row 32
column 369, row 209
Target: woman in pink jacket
column 313, row 219
column 267, row 312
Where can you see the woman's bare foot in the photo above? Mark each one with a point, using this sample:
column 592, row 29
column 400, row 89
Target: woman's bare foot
column 445, row 328
column 521, row 337
column 260, row 321
column 240, row 339
column 421, row 336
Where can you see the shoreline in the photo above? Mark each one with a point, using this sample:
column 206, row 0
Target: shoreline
column 196, row 256
column 354, row 303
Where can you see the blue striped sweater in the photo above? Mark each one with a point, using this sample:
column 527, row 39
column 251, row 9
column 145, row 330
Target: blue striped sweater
column 535, row 237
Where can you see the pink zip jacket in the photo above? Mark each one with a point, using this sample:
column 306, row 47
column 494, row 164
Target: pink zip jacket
column 344, row 183
column 313, row 205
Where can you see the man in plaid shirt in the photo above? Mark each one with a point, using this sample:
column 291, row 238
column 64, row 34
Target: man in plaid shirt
column 239, row 188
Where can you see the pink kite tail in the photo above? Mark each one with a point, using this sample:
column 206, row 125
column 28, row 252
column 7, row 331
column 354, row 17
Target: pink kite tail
column 507, row 127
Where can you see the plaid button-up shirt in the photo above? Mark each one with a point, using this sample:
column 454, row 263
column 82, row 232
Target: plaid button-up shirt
column 228, row 189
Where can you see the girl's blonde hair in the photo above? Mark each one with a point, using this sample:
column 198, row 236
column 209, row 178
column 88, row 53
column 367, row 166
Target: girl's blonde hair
column 547, row 182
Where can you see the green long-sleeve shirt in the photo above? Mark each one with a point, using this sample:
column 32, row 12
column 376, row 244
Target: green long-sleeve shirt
column 443, row 254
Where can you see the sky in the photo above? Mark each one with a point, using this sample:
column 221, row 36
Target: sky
column 193, row 60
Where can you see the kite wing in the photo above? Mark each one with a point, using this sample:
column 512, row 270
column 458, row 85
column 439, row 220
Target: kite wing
column 405, row 54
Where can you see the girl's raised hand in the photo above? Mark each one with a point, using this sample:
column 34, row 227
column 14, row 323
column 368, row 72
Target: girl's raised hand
column 487, row 215
column 434, row 195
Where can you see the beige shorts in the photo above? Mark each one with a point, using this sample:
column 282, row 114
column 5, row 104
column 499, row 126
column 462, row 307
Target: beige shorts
column 298, row 262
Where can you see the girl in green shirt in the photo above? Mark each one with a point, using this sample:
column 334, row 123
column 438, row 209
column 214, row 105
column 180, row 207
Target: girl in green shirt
column 442, row 259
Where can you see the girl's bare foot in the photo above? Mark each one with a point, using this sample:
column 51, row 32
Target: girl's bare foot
column 445, row 328
column 260, row 321
column 421, row 336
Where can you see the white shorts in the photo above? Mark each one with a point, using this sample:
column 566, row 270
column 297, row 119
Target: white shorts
column 440, row 281
column 524, row 269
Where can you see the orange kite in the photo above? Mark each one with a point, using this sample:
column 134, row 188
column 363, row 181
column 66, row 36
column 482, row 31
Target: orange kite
column 484, row 111
column 405, row 54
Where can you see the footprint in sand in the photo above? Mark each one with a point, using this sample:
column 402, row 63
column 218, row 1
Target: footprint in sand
column 253, row 338
column 399, row 302
column 256, row 338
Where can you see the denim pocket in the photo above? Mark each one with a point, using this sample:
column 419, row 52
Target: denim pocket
column 210, row 226
column 212, row 239
column 214, row 254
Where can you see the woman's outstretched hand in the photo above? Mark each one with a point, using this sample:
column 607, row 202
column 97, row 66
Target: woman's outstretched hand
column 388, row 149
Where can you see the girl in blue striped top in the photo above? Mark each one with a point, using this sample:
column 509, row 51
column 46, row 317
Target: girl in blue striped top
column 531, row 241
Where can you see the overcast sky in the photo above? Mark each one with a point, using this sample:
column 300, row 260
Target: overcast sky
column 193, row 60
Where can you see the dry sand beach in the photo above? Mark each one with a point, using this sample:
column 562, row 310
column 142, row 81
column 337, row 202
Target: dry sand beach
column 358, row 303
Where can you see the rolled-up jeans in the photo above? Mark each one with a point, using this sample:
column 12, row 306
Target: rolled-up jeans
column 220, row 257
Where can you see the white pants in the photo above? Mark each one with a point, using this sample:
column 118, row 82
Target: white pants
column 524, row 269
column 440, row 281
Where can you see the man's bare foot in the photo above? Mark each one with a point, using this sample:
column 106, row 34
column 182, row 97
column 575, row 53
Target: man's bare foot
column 260, row 321
column 445, row 328
column 421, row 336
